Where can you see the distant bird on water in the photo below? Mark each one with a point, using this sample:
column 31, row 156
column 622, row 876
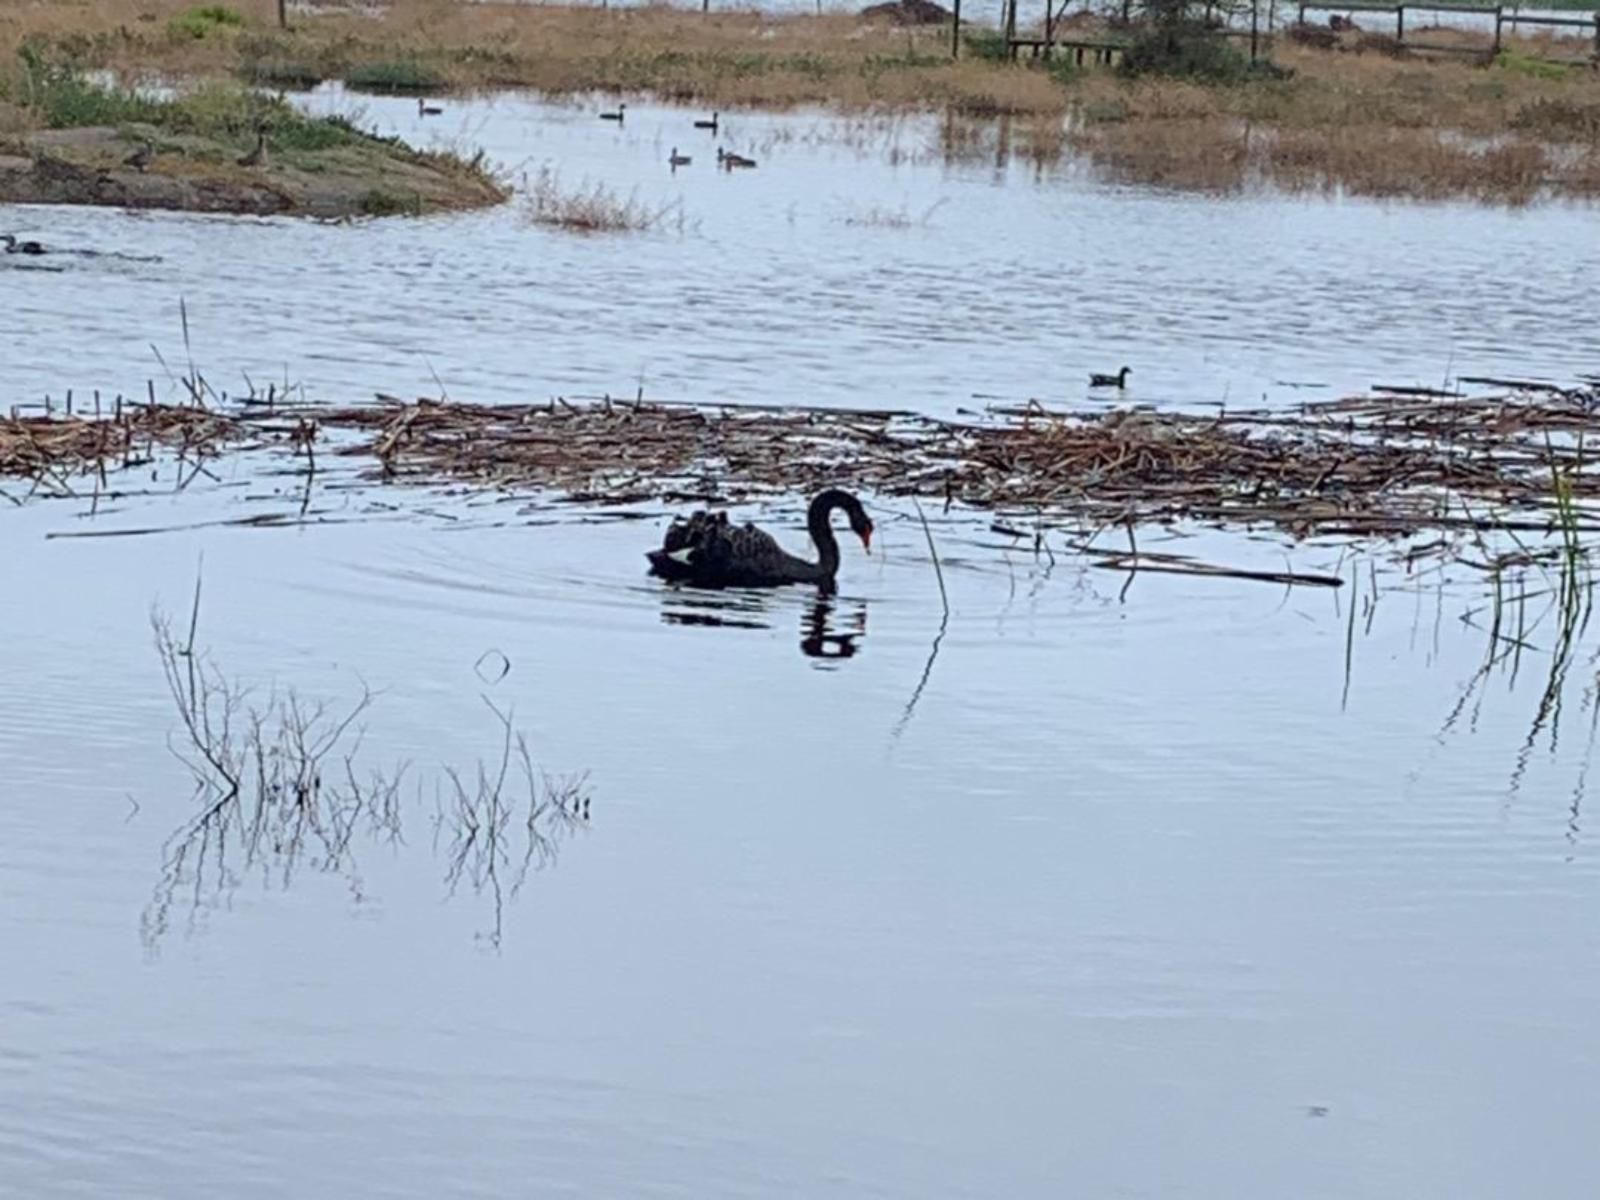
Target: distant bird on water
column 676, row 160
column 15, row 247
column 427, row 110
column 618, row 115
column 730, row 160
column 140, row 158
column 704, row 124
column 1119, row 380
column 258, row 156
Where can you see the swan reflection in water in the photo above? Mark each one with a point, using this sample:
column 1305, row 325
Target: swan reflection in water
column 827, row 632
column 831, row 635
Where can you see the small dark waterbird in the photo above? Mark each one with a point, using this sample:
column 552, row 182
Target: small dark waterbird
column 619, row 114
column 706, row 551
column 730, row 160
column 676, row 160
column 15, row 247
column 258, row 156
column 428, row 110
column 1119, row 380
column 704, row 124
column 140, row 158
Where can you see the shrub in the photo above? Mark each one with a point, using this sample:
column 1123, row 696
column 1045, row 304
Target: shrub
column 1185, row 50
column 986, row 44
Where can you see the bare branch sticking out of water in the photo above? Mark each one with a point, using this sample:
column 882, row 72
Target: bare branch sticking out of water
column 938, row 638
column 279, row 788
column 482, row 852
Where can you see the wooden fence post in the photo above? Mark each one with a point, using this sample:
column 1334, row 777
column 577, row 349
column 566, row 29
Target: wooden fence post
column 283, row 14
column 1255, row 29
column 1049, row 26
column 1400, row 24
column 1499, row 15
column 955, row 31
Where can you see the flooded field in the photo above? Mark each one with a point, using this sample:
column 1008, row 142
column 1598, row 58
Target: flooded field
column 792, row 282
column 1084, row 884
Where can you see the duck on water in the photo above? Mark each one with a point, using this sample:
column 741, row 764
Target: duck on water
column 706, row 551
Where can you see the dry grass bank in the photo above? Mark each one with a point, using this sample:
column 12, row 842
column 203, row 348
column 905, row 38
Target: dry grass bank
column 1369, row 123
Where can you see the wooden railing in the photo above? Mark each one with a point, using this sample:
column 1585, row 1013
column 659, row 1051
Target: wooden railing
column 1502, row 20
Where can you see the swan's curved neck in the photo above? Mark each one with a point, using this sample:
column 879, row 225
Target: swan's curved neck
column 817, row 520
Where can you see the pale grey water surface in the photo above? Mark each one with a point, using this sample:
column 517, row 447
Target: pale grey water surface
column 1133, row 901
column 1018, row 283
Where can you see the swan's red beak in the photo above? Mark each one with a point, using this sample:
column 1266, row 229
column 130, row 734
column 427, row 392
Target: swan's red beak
column 866, row 540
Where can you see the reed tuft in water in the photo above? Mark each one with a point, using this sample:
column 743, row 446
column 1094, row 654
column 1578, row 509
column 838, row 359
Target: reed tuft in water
column 592, row 207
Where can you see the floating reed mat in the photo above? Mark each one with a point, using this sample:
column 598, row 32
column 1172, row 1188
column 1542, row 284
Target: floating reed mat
column 1388, row 464
column 51, row 447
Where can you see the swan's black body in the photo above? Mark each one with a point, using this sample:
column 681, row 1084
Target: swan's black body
column 705, row 550
column 1119, row 380
column 711, row 124
column 15, row 247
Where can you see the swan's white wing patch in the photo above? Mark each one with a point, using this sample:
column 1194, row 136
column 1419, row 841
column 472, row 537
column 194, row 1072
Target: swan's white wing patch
column 682, row 556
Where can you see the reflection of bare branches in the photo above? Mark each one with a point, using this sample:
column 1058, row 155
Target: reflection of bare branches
column 480, row 818
column 279, row 789
column 262, row 776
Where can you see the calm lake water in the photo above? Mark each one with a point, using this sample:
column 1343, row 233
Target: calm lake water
column 1011, row 281
column 1200, row 888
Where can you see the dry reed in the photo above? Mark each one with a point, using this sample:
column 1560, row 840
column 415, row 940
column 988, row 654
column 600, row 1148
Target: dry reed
column 591, row 207
column 1390, row 464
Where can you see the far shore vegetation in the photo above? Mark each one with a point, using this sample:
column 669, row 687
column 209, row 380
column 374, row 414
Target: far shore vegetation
column 1350, row 113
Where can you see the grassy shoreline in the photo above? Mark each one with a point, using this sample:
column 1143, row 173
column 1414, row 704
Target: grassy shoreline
column 1506, row 132
column 216, row 146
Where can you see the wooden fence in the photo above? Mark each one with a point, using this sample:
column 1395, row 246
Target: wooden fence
column 1502, row 19
column 1106, row 49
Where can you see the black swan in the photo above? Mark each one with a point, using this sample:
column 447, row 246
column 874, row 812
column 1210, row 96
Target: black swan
column 707, row 551
column 15, row 247
column 428, row 110
column 676, row 160
column 1119, row 380
column 619, row 115
column 140, row 158
column 711, row 124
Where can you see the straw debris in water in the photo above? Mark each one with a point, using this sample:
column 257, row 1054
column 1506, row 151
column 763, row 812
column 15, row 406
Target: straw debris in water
column 1389, row 464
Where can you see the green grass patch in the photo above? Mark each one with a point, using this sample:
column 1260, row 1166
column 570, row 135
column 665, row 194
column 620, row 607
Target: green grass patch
column 1535, row 68
column 62, row 98
column 398, row 77
column 205, row 21
column 380, row 202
